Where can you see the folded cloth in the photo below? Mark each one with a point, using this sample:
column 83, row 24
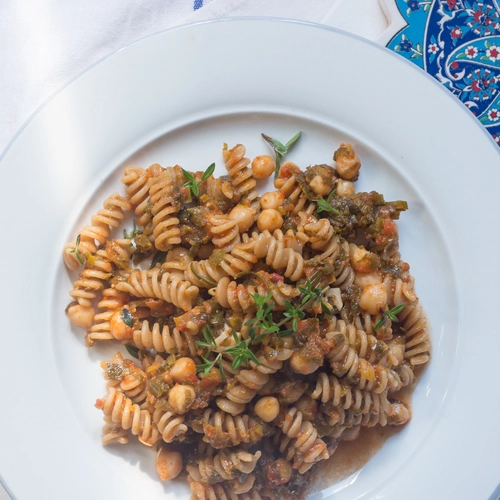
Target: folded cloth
column 47, row 44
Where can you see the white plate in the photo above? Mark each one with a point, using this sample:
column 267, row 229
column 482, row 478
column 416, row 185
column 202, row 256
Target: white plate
column 175, row 98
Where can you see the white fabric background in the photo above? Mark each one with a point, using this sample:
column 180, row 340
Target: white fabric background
column 44, row 44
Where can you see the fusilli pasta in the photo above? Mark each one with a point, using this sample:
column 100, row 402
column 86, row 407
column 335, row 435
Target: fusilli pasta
column 266, row 330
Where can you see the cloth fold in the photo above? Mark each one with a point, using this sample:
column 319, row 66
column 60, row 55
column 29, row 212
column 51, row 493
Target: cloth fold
column 45, row 45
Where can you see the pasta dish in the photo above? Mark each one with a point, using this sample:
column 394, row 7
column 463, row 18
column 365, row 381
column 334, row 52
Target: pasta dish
column 258, row 331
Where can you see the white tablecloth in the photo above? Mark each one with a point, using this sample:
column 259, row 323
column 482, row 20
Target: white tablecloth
column 44, row 44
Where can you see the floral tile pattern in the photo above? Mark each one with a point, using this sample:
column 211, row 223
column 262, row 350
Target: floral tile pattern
column 457, row 42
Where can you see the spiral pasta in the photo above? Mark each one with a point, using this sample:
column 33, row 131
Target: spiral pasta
column 265, row 331
column 155, row 283
column 306, row 447
column 238, row 297
column 224, row 231
column 242, row 182
column 277, row 256
column 136, row 180
column 122, row 411
column 165, row 200
column 230, row 430
column 164, row 339
column 111, row 215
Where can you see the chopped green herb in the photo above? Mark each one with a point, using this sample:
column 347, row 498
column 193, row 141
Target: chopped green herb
column 135, row 231
column 132, row 350
column 127, row 317
column 159, row 258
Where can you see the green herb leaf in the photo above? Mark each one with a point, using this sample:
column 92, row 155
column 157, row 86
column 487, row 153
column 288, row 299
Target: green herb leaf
column 78, row 255
column 192, row 183
column 293, row 140
column 324, row 206
column 207, row 366
column 221, row 367
column 331, row 195
column 209, row 336
column 280, row 150
column 127, row 317
column 159, row 258
column 132, row 350
column 188, row 176
column 380, row 323
column 208, row 172
column 391, row 314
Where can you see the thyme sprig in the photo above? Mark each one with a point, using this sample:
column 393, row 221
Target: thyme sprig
column 260, row 326
column 391, row 314
column 240, row 353
column 192, row 183
column 313, row 296
column 78, row 255
column 293, row 313
column 280, row 150
column 324, row 205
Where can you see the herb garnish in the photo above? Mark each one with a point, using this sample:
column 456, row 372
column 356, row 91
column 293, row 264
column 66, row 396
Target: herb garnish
column 391, row 314
column 127, row 317
column 280, row 150
column 78, row 255
column 159, row 258
column 192, row 183
column 263, row 321
column 132, row 350
column 324, row 205
column 293, row 313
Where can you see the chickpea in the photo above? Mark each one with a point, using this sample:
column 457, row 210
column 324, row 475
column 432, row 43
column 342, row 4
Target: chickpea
column 364, row 279
column 180, row 398
column 348, row 162
column 81, row 316
column 168, row 464
column 267, row 408
column 345, row 188
column 118, row 328
column 274, row 199
column 319, row 186
column 279, row 472
column 373, row 298
column 302, row 364
column 399, row 415
column 364, row 261
column 244, row 216
column 263, row 166
column 269, row 219
column 182, row 369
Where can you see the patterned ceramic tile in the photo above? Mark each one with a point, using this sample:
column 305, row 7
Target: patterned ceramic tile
column 457, row 42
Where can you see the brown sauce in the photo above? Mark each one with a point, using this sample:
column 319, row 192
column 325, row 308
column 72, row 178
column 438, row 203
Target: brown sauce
column 351, row 456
